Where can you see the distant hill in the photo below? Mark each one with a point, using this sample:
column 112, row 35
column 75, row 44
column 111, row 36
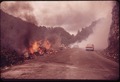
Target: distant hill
column 85, row 32
column 17, row 34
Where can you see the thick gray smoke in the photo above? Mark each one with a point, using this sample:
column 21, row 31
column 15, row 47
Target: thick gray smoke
column 55, row 40
column 19, row 9
column 99, row 37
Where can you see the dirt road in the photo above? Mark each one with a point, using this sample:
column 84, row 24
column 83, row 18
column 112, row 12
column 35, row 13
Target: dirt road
column 66, row 64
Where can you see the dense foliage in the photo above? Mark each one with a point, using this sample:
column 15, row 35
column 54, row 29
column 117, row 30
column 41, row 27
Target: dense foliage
column 10, row 57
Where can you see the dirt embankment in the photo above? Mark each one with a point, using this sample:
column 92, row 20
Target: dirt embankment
column 113, row 48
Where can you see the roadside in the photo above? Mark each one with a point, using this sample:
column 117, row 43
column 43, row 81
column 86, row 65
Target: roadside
column 107, row 55
column 67, row 64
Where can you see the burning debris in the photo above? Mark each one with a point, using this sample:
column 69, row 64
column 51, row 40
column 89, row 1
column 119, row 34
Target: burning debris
column 38, row 48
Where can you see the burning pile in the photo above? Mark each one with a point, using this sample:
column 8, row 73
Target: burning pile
column 36, row 48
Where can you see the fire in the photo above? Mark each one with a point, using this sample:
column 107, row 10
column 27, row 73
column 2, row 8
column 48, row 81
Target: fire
column 46, row 44
column 31, row 50
column 40, row 47
column 34, row 47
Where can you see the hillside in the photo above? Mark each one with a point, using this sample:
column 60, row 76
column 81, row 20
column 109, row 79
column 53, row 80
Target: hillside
column 17, row 34
column 113, row 47
column 85, row 32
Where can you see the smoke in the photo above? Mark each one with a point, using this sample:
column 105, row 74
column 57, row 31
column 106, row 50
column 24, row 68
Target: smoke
column 100, row 33
column 71, row 15
column 55, row 40
column 19, row 9
column 99, row 37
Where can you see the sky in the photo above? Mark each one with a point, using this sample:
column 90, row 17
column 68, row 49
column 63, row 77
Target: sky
column 70, row 15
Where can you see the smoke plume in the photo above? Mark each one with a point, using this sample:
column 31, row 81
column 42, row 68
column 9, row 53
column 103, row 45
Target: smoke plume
column 99, row 37
column 19, row 9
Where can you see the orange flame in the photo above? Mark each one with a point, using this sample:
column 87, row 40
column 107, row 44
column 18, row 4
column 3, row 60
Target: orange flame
column 34, row 47
column 31, row 50
column 46, row 44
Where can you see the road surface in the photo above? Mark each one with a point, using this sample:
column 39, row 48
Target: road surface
column 66, row 64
